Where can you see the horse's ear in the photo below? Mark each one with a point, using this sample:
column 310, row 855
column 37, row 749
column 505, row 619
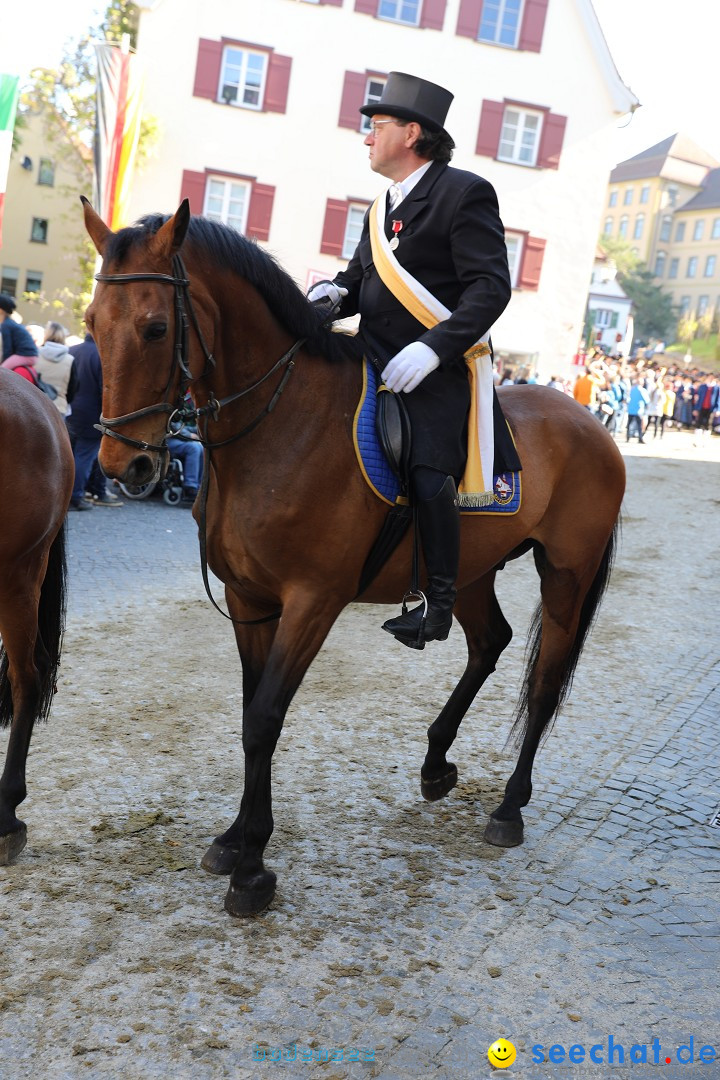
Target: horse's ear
column 96, row 227
column 170, row 237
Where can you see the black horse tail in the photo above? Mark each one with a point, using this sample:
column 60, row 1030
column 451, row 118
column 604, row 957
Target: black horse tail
column 51, row 626
column 588, row 614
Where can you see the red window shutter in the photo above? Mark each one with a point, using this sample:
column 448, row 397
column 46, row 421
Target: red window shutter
column 529, row 276
column 533, row 25
column 193, row 188
column 433, row 14
column 366, row 7
column 551, row 141
column 207, row 71
column 334, row 227
column 491, row 120
column 353, row 96
column 468, row 24
column 260, row 211
column 278, row 83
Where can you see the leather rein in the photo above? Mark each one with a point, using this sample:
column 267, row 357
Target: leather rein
column 185, row 317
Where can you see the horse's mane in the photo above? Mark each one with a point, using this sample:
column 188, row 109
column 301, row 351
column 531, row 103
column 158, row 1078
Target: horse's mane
column 229, row 249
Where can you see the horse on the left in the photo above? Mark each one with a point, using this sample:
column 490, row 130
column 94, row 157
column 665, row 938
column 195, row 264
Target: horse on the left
column 36, row 480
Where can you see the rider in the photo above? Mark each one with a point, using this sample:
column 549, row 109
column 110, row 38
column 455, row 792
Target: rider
column 444, row 230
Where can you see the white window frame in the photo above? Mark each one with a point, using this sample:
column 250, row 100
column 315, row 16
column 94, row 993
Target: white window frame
column 242, row 86
column 699, row 229
column 608, row 227
column 370, row 99
column 623, row 227
column 715, row 233
column 612, row 201
column 10, row 273
column 680, row 232
column 502, row 10
column 660, row 264
column 353, row 228
column 703, row 305
column 644, row 194
column 665, row 228
column 515, row 244
column 520, row 129
column 639, row 226
column 236, row 221
column 692, row 267
column 628, row 196
column 674, row 268
column 710, row 263
column 35, row 275
column 685, row 302
column 397, row 17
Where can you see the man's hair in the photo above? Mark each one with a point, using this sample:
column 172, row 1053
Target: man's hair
column 431, row 145
column 7, row 303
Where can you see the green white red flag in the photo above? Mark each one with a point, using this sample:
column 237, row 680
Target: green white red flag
column 9, row 94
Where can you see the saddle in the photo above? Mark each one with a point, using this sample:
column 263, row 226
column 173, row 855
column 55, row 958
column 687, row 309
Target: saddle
column 392, row 426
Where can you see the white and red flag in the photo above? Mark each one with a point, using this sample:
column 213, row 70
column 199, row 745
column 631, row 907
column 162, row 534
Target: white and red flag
column 119, row 112
column 9, row 94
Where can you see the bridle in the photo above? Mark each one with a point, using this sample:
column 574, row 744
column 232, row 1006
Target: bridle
column 185, row 317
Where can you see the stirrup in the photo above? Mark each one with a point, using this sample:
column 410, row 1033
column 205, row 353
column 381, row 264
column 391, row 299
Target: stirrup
column 417, row 642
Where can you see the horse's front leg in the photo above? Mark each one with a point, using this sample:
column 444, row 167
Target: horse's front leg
column 21, row 686
column 305, row 623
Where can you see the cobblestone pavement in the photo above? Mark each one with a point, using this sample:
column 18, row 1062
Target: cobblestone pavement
column 395, row 928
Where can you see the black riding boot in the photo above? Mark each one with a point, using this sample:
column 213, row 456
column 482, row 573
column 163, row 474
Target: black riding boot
column 439, row 525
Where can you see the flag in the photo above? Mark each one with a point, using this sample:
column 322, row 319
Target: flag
column 9, row 94
column 119, row 112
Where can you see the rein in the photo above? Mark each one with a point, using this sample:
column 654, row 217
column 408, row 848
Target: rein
column 211, row 411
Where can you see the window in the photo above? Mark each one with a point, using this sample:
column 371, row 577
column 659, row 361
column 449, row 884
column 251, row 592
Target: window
column 715, row 233
column 227, row 201
column 242, row 78
column 33, row 281
column 639, row 226
column 698, row 229
column 39, row 230
column 373, row 93
column 692, row 266
column 623, row 227
column 525, row 258
column 645, row 193
column 674, row 268
column 703, row 303
column 500, row 22
column 353, row 229
column 9, row 281
column 710, row 266
column 672, row 194
column 605, row 317
column 608, row 228
column 665, row 228
column 612, row 201
column 513, row 242
column 628, row 197
column 404, row 11
column 46, row 172
column 520, row 136
column 679, row 232
column 684, row 305
column 660, row 260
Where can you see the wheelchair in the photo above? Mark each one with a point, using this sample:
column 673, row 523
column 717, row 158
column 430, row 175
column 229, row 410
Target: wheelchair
column 171, row 485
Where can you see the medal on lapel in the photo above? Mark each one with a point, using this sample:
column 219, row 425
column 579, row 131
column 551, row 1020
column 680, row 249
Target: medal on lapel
column 396, row 228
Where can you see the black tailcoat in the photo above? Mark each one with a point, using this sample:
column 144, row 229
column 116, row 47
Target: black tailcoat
column 452, row 240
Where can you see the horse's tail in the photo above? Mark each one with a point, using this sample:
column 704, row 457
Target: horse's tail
column 588, row 614
column 51, row 625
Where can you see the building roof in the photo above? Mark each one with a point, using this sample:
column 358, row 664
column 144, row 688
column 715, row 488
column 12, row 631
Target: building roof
column 709, row 197
column 663, row 159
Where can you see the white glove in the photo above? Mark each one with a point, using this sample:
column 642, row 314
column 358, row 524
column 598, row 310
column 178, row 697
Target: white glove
column 408, row 368
column 326, row 290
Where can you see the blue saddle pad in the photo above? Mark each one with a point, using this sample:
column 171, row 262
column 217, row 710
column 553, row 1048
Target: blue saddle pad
column 380, row 477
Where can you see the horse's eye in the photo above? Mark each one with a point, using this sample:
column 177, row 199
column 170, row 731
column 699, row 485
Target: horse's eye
column 155, row 331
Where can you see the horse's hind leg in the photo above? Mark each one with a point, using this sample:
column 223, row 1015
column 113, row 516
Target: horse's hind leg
column 570, row 598
column 487, row 633
column 21, row 690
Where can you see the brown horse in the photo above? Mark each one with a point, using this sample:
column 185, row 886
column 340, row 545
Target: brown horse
column 290, row 519
column 36, row 479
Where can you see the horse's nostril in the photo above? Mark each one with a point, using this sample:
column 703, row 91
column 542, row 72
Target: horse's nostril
column 141, row 470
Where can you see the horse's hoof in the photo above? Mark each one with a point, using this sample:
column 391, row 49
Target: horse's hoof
column 11, row 844
column 504, row 833
column 439, row 786
column 253, row 896
column 220, row 859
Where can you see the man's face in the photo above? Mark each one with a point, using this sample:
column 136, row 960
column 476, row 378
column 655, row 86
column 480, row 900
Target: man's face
column 391, row 152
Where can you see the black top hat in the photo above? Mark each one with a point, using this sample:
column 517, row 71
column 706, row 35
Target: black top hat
column 412, row 98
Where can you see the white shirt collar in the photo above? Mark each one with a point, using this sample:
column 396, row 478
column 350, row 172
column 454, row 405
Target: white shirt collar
column 410, row 181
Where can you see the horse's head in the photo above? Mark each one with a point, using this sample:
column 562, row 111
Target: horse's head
column 135, row 325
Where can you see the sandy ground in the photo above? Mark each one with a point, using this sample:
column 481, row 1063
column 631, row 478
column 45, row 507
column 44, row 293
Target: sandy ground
column 116, row 958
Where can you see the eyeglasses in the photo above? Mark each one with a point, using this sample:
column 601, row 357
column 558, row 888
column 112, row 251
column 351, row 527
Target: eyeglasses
column 376, row 124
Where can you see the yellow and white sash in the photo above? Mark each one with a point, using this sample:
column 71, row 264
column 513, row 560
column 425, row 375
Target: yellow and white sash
column 476, row 488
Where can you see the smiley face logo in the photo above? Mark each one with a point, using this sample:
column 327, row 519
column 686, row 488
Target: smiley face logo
column 501, row 1054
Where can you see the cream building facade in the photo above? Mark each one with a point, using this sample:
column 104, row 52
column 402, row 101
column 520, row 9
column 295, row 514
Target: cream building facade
column 42, row 226
column 665, row 202
column 258, row 110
